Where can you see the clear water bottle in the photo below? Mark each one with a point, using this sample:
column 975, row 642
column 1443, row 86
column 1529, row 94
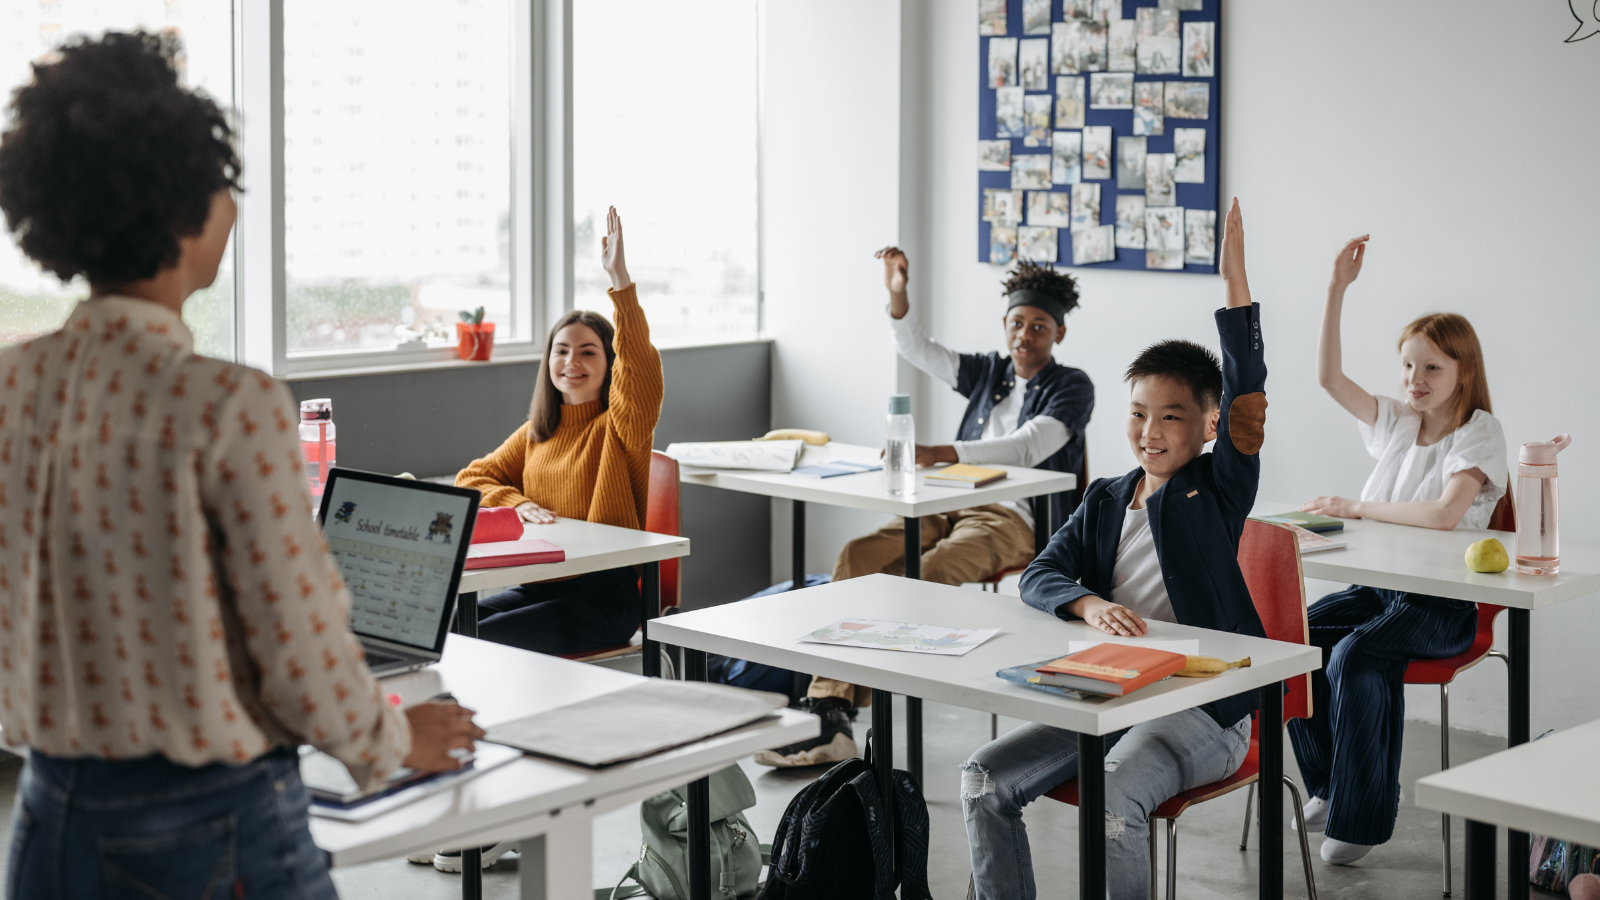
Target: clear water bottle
column 317, row 442
column 1539, row 507
column 900, row 453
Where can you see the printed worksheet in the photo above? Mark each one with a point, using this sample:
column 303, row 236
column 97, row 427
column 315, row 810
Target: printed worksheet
column 911, row 638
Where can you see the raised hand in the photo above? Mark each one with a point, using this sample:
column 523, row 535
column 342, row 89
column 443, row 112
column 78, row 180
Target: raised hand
column 1232, row 267
column 611, row 251
column 896, row 273
column 1348, row 266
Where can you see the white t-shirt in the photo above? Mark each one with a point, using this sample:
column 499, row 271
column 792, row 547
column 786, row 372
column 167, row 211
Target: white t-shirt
column 1137, row 582
column 1407, row 472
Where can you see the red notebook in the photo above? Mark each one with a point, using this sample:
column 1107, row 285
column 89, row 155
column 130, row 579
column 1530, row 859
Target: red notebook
column 1114, row 670
column 516, row 553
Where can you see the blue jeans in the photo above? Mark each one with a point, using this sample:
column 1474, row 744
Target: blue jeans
column 1145, row 766
column 152, row 829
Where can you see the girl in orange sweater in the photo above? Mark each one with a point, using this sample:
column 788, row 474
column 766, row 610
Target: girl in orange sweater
column 584, row 453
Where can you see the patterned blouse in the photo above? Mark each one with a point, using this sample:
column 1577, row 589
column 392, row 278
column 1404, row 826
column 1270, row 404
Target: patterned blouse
column 163, row 588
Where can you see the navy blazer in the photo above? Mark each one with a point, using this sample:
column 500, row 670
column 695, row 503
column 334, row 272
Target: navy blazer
column 1196, row 518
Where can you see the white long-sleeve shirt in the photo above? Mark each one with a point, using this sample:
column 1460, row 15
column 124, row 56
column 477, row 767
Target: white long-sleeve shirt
column 1003, row 441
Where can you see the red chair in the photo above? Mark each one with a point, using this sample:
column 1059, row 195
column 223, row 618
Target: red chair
column 1443, row 671
column 1269, row 556
column 663, row 515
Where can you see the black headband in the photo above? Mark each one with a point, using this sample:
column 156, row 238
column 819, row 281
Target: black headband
column 1037, row 299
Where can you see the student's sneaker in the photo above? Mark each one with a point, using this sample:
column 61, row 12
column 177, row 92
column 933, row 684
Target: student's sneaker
column 450, row 860
column 1339, row 853
column 836, row 743
column 1316, row 815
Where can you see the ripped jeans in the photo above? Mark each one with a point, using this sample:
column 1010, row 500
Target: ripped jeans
column 1145, row 765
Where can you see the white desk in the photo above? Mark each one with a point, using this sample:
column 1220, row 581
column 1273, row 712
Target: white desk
column 1430, row 561
column 869, row 491
column 546, row 803
column 768, row 630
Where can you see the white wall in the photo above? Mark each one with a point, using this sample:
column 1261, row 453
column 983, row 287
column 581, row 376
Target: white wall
column 1462, row 137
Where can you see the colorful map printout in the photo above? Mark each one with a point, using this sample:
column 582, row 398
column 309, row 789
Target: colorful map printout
column 905, row 636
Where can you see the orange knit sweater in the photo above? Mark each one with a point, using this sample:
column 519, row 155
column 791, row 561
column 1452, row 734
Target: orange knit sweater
column 597, row 465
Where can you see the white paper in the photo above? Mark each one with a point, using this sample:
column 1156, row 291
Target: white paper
column 1188, row 647
column 903, row 636
column 330, row 774
column 758, row 456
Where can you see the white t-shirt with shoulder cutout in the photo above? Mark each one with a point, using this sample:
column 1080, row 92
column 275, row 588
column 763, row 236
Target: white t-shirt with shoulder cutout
column 1407, row 472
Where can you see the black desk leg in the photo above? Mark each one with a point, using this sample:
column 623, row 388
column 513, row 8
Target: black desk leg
column 466, row 614
column 1518, row 731
column 913, row 704
column 883, row 755
column 1041, row 523
column 1270, row 721
column 694, row 669
column 1480, row 862
column 797, row 546
column 650, row 608
column 1091, row 815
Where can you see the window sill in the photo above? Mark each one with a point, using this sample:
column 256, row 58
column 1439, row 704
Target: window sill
column 524, row 354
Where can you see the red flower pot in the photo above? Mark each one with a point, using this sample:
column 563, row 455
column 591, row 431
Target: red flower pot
column 474, row 341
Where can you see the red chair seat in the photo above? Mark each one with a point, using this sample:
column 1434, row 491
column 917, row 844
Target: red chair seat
column 1444, row 671
column 1172, row 808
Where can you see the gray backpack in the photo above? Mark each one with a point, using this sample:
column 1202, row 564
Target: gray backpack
column 663, row 866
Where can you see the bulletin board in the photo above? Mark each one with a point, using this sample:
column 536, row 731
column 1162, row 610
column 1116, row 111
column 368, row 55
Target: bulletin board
column 1098, row 133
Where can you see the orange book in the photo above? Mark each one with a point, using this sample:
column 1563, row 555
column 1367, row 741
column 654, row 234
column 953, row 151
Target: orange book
column 1114, row 670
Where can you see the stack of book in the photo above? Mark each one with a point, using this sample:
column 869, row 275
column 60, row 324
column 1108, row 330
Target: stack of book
column 962, row 475
column 1104, row 670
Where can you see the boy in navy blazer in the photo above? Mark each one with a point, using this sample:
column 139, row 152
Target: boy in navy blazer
column 1158, row 543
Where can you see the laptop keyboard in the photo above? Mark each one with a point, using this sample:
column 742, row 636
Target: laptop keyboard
column 379, row 660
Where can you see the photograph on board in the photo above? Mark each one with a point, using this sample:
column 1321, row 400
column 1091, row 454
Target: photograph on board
column 1031, row 172
column 1036, row 120
column 1002, row 206
column 1052, row 208
column 1036, row 244
column 1130, row 163
column 1189, row 146
column 1130, row 221
column 1078, row 45
column 1122, row 51
column 1200, row 226
column 1066, row 157
column 1188, row 99
column 1002, row 244
column 1070, row 102
column 1163, row 237
column 1107, row 11
column 1148, row 108
column 1160, row 47
column 1110, row 90
column 1008, row 113
column 1033, row 58
column 1094, row 245
column 994, row 156
column 1197, row 49
column 1002, row 62
column 1077, row 9
column 1085, row 206
column 1158, row 184
column 991, row 17
column 1035, row 16
column 1184, row 5
column 1156, row 22
column 1097, row 152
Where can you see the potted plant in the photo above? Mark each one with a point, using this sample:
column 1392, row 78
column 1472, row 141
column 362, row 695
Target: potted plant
column 474, row 336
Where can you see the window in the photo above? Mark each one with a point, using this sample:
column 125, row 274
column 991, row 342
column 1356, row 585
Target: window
column 397, row 173
column 33, row 302
column 664, row 128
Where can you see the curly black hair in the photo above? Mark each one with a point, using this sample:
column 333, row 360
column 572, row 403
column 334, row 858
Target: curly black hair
column 109, row 161
column 1185, row 362
column 1034, row 277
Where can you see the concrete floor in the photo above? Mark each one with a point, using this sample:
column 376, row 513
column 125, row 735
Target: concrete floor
column 1210, row 864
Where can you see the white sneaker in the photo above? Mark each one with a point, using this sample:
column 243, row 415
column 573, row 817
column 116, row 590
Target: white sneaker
column 450, row 860
column 423, row 858
column 1340, row 853
column 1316, row 815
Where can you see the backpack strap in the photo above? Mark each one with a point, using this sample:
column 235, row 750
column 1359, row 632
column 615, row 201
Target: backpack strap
column 883, row 877
column 911, row 837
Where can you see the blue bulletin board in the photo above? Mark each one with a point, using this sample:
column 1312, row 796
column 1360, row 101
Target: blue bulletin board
column 1088, row 127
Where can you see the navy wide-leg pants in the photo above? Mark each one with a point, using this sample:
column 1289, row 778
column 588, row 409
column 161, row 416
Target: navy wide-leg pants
column 1349, row 750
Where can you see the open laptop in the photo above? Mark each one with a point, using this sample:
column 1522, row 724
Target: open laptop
column 400, row 545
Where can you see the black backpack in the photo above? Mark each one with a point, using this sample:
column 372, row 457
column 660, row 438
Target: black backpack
column 831, row 845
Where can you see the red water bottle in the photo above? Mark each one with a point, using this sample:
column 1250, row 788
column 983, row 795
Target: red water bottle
column 317, row 442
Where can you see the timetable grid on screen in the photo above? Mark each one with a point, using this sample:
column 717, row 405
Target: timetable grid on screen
column 397, row 595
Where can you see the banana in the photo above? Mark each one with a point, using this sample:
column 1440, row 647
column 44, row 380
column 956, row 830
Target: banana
column 1207, row 666
column 815, row 438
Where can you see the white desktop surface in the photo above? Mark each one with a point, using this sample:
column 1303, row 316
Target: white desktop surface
column 868, row 490
column 1548, row 786
column 769, row 630
column 1433, row 562
column 590, row 547
column 527, row 797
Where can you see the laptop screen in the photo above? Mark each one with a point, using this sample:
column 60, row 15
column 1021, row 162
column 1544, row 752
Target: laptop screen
column 400, row 546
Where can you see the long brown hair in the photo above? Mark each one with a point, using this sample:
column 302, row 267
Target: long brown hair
column 545, row 412
column 1455, row 338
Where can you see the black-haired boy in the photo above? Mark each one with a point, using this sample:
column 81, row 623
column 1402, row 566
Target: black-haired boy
column 1157, row 543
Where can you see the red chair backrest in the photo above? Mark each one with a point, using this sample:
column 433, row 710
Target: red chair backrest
column 1269, row 557
column 1504, row 517
column 663, row 515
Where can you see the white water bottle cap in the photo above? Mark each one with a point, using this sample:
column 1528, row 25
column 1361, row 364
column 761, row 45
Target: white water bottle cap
column 1543, row 453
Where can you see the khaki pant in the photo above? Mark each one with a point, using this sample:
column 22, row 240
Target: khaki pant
column 959, row 547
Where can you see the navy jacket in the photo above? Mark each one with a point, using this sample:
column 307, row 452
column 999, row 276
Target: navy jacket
column 1196, row 518
column 1060, row 392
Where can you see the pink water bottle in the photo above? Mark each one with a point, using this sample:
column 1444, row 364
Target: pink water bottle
column 317, row 442
column 1539, row 507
